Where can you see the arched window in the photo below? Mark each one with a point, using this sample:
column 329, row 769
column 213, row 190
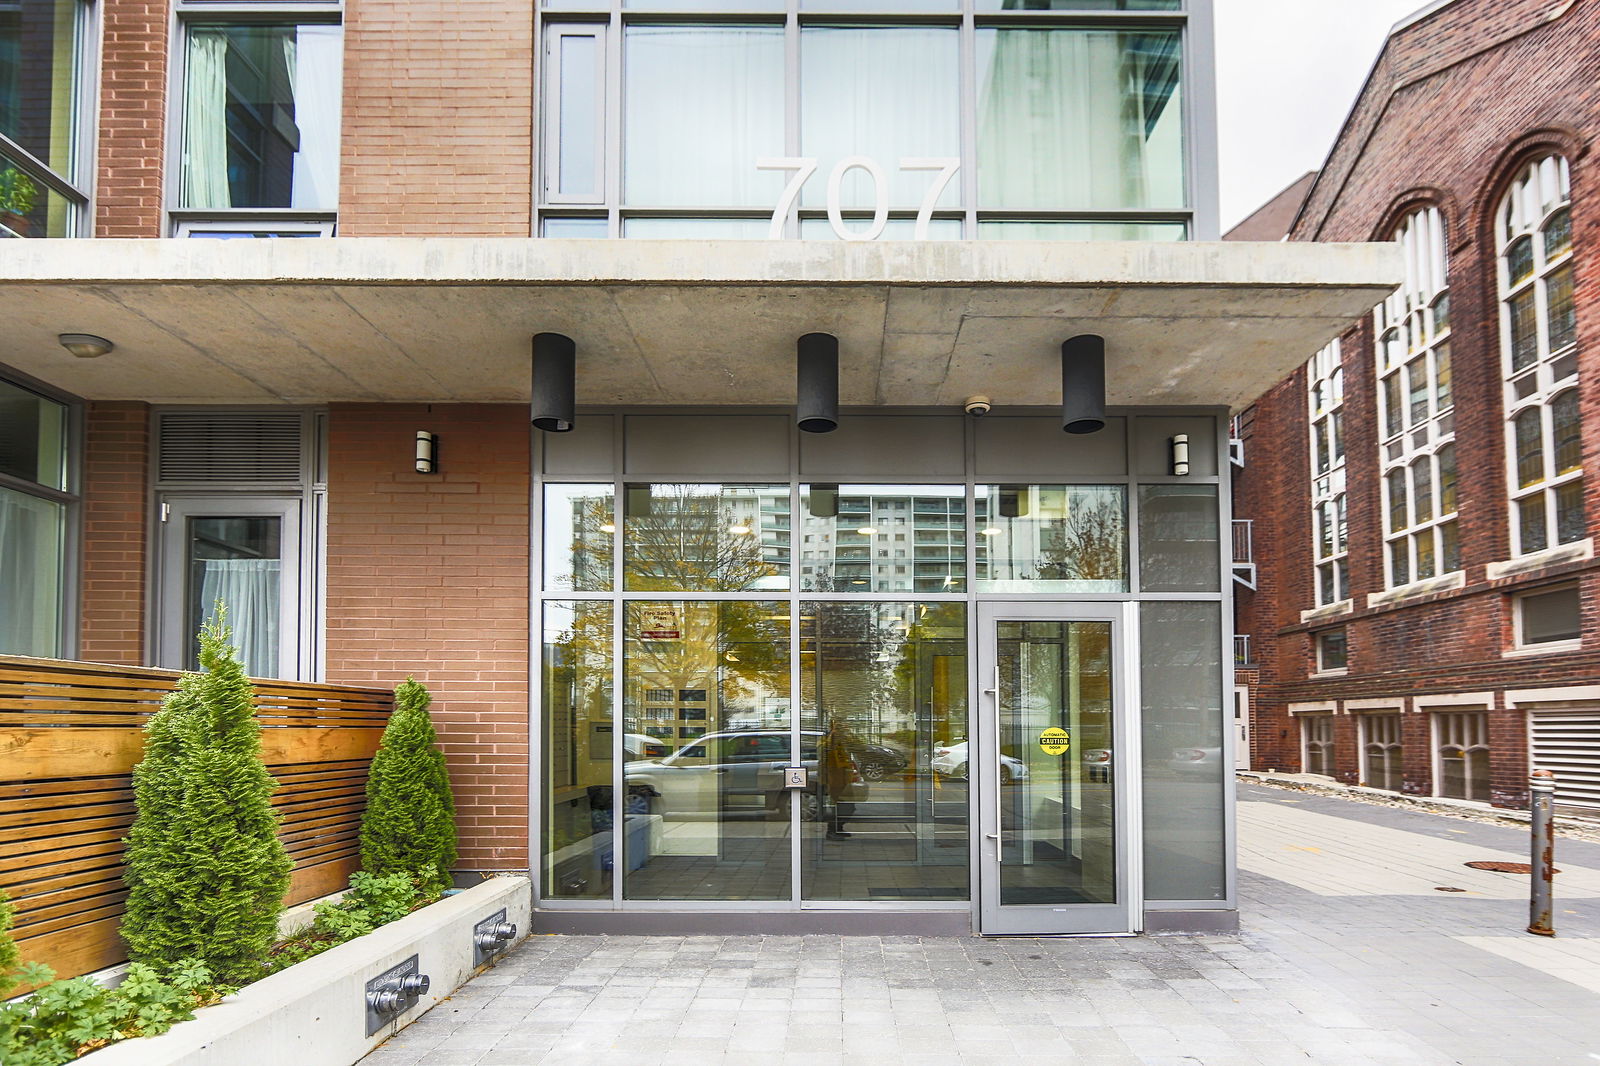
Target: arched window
column 1538, row 326
column 1325, row 393
column 1416, row 436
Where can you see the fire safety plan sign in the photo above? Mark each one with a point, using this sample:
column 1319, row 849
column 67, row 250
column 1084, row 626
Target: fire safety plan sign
column 659, row 622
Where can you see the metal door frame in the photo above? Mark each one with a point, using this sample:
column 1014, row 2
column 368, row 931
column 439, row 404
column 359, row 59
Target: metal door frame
column 1122, row 917
column 172, row 586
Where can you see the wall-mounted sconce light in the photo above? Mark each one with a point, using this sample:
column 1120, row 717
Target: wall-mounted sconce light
column 1180, row 455
column 85, row 345
column 817, row 383
column 554, row 382
column 1083, row 384
column 427, row 452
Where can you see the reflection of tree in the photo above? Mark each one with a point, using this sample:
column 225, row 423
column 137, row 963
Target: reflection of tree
column 1090, row 543
column 843, row 647
column 931, row 669
column 693, row 538
column 737, row 650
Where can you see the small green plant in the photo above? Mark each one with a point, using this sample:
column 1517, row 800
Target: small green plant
column 372, row 901
column 206, row 872
column 409, row 824
column 18, row 193
column 66, row 1019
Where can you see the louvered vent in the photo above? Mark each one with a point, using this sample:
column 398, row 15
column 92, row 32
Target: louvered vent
column 1567, row 743
column 230, row 447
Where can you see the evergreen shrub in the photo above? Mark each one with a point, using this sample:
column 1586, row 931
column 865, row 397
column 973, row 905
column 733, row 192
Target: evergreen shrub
column 409, row 826
column 206, row 872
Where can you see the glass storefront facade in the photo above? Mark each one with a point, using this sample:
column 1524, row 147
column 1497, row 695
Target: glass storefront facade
column 790, row 688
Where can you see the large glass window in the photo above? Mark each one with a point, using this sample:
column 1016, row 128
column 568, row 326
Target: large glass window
column 1079, row 119
column 823, row 127
column 705, row 538
column 883, row 538
column 1417, row 433
column 1052, row 538
column 33, row 522
column 884, row 724
column 1540, row 363
column 1181, row 697
column 578, row 842
column 1178, row 545
column 260, row 117
column 41, row 45
column 716, row 822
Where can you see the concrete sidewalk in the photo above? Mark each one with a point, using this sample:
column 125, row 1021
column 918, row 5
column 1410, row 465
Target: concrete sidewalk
column 1350, row 955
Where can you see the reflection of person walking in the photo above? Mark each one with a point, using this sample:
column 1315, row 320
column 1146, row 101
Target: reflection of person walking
column 838, row 776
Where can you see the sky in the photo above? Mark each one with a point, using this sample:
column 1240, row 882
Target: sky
column 1287, row 73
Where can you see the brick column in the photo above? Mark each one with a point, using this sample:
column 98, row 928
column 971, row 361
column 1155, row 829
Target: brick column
column 115, row 495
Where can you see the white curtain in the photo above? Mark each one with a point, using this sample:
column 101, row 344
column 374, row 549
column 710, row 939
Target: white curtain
column 313, row 56
column 205, row 130
column 249, row 588
column 30, row 575
column 884, row 93
column 703, row 104
column 1078, row 120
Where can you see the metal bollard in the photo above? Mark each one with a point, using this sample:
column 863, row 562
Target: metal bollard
column 1542, row 789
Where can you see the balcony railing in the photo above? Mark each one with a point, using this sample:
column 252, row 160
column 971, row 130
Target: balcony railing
column 72, row 733
column 1244, row 559
column 1241, row 649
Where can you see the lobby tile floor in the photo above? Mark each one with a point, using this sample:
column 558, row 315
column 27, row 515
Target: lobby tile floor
column 1349, row 956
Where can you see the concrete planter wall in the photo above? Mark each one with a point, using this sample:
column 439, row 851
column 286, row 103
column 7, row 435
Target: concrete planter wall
column 314, row 1014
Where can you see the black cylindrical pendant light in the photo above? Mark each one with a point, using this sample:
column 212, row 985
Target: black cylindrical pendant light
column 1083, row 384
column 554, row 382
column 817, row 383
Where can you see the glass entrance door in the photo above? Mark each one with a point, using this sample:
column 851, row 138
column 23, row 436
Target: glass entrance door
column 1056, row 836
column 242, row 553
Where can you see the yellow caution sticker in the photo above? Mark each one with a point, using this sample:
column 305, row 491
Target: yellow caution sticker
column 1054, row 741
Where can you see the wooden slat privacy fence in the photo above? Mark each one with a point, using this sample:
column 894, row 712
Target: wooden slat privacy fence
column 70, row 735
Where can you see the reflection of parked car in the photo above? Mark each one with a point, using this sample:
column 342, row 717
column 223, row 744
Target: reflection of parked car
column 1196, row 762
column 878, row 761
column 1097, row 764
column 951, row 760
column 639, row 746
column 743, row 768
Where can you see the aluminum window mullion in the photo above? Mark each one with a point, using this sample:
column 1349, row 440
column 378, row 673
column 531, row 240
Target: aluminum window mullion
column 35, row 167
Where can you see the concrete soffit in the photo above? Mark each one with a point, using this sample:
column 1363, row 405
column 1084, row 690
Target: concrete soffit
column 675, row 322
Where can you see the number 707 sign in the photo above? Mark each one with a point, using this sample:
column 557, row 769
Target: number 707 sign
column 805, row 166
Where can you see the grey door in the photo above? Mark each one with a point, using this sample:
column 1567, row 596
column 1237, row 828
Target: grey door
column 1050, row 770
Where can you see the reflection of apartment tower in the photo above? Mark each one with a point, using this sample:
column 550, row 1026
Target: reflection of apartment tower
column 889, row 542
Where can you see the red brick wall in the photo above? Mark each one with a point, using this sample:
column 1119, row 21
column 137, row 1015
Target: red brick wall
column 115, row 487
column 1454, row 103
column 133, row 118
column 438, row 119
column 428, row 577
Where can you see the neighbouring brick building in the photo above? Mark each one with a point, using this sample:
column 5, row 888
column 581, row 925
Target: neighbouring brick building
column 1423, row 491
column 696, row 663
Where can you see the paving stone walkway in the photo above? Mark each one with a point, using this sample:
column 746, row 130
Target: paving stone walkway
column 1349, row 956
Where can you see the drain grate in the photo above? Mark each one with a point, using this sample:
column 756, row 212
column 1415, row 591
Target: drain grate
column 1501, row 867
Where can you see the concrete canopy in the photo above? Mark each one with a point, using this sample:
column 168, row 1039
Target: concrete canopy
column 674, row 322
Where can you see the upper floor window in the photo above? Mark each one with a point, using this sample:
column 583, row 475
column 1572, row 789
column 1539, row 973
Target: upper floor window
column 1329, row 507
column 260, row 121
column 1538, row 330
column 41, row 118
column 805, row 127
column 1417, row 426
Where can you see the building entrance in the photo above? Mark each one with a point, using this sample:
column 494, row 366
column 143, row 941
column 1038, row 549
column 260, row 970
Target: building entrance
column 1054, row 730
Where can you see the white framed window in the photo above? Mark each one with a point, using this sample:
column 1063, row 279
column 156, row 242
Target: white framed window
column 1316, row 744
column 1461, row 755
column 1416, row 430
column 1329, row 505
column 258, row 87
column 1549, row 619
column 1381, row 751
column 1538, row 332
